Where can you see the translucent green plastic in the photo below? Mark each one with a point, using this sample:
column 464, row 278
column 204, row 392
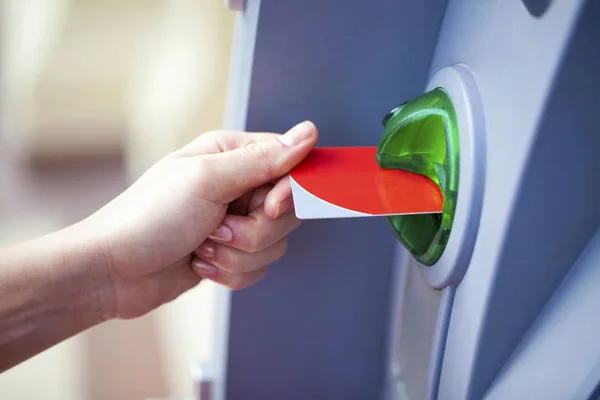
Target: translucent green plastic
column 421, row 136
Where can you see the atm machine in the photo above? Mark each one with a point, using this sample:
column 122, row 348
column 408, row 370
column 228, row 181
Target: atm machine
column 511, row 307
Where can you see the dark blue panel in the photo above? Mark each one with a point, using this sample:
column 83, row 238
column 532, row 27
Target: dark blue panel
column 316, row 327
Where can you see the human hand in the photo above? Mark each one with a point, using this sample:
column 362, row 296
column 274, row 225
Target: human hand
column 218, row 208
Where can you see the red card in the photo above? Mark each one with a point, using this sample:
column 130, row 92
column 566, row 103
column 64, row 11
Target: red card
column 342, row 182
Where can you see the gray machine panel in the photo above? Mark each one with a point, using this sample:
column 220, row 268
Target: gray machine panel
column 560, row 355
column 537, row 79
column 559, row 358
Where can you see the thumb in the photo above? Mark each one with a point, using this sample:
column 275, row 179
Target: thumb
column 238, row 171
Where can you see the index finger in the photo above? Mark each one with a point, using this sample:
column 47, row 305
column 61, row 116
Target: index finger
column 279, row 199
column 221, row 141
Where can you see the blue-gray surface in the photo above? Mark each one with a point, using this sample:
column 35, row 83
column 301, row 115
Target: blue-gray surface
column 559, row 358
column 557, row 208
column 315, row 328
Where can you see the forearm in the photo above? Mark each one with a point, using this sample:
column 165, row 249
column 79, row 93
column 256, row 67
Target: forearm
column 51, row 288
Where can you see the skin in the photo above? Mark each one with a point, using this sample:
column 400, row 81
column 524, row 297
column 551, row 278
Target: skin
column 219, row 208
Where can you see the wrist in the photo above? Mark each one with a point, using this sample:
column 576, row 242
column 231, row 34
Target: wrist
column 52, row 287
column 85, row 275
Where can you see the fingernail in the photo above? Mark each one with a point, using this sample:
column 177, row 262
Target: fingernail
column 222, row 233
column 283, row 207
column 206, row 250
column 297, row 134
column 204, row 269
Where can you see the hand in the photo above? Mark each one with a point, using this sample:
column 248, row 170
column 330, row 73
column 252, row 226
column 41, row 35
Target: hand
column 218, row 208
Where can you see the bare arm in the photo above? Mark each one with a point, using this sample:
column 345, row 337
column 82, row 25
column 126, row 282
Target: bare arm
column 207, row 211
column 51, row 288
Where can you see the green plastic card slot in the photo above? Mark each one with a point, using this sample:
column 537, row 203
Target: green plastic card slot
column 422, row 136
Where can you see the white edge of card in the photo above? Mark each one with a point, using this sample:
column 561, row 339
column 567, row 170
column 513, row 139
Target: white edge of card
column 309, row 206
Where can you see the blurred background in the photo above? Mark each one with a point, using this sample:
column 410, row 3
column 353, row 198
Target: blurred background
column 92, row 93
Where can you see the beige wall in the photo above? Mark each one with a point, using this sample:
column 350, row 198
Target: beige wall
column 111, row 86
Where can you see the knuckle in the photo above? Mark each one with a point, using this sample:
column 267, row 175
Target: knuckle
column 257, row 149
column 221, row 140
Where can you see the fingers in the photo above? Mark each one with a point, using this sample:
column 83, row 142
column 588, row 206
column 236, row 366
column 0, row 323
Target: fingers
column 221, row 141
column 258, row 197
column 238, row 261
column 279, row 199
column 238, row 258
column 254, row 232
column 244, row 168
column 231, row 280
